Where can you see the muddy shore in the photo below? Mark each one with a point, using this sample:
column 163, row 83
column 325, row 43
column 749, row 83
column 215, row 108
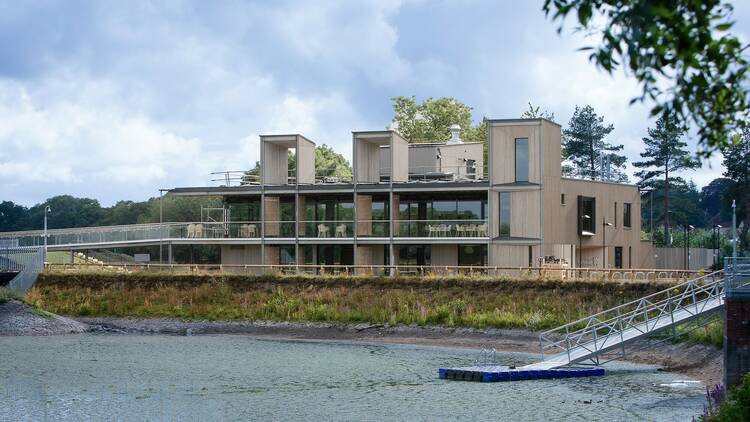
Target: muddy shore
column 699, row 362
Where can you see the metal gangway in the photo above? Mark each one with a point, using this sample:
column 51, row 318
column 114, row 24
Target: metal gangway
column 606, row 335
column 23, row 263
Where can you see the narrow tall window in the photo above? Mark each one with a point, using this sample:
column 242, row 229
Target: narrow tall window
column 504, row 214
column 562, row 198
column 626, row 215
column 522, row 160
column 615, row 214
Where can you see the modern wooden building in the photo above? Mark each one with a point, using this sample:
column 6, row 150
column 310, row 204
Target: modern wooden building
column 429, row 204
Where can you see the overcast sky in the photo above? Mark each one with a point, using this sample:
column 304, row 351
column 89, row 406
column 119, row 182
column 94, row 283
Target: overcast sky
column 114, row 100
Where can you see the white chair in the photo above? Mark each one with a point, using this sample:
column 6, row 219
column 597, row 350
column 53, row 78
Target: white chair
column 191, row 230
column 431, row 230
column 472, row 229
column 445, row 230
column 482, row 230
column 341, row 230
column 460, row 230
column 322, row 230
column 199, row 233
column 252, row 230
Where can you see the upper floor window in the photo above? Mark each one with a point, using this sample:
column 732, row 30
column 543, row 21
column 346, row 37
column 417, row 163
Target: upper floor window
column 615, row 214
column 627, row 215
column 562, row 199
column 586, row 215
column 522, row 159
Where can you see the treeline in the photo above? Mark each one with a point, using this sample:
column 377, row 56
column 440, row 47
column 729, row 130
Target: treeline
column 69, row 211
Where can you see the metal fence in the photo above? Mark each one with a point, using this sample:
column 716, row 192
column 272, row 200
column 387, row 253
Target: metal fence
column 737, row 279
column 616, row 275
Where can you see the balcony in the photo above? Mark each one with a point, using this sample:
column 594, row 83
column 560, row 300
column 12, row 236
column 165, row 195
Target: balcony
column 441, row 228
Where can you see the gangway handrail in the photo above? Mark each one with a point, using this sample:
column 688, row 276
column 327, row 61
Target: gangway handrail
column 634, row 302
column 614, row 327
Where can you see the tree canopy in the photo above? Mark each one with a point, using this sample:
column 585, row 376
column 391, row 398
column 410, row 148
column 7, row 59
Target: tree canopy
column 584, row 145
column 679, row 51
column 537, row 113
column 737, row 165
column 430, row 120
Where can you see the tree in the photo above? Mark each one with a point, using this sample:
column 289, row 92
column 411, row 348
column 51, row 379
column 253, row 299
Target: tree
column 684, row 204
column 67, row 211
column 329, row 163
column 737, row 165
column 536, row 113
column 714, row 202
column 584, row 145
column 12, row 216
column 430, row 121
column 665, row 153
column 680, row 53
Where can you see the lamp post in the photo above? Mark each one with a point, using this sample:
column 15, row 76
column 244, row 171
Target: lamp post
column 580, row 236
column 734, row 230
column 687, row 246
column 604, row 246
column 717, row 257
column 47, row 209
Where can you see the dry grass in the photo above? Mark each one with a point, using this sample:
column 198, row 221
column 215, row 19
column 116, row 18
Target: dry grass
column 456, row 302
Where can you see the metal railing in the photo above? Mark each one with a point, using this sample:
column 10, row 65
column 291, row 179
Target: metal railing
column 439, row 173
column 27, row 261
column 137, row 232
column 590, row 337
column 441, row 228
column 737, row 276
column 494, row 272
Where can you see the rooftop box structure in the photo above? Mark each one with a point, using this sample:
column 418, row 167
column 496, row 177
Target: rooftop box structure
column 274, row 160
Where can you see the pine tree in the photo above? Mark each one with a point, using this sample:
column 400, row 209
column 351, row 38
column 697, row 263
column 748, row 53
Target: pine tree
column 665, row 154
column 584, row 145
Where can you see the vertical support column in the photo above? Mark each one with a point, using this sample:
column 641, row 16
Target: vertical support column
column 169, row 252
column 736, row 338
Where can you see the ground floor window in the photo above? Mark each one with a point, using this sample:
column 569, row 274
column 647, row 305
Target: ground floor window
column 472, row 255
column 414, row 255
column 287, row 255
column 618, row 256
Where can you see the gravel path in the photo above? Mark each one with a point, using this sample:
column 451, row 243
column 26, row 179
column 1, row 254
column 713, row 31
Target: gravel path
column 19, row 319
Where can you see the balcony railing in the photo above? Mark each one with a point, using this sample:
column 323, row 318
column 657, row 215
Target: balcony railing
column 441, row 228
column 328, row 229
column 438, row 173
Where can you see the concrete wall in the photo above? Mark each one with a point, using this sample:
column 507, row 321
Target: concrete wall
column 444, row 255
column 400, row 158
column 272, row 215
column 364, row 215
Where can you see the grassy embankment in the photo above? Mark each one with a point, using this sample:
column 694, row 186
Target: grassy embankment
column 455, row 301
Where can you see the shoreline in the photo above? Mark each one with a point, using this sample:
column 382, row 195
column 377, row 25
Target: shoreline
column 703, row 363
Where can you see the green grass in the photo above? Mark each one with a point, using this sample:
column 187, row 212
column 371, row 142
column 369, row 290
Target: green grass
column 446, row 301
column 7, row 295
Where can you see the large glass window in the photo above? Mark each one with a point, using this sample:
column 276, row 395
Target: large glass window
column 627, row 215
column 444, row 210
column 522, row 160
column 470, row 210
column 504, row 214
column 472, row 255
column 586, row 214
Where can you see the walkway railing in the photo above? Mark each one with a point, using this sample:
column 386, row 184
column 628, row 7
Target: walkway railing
column 590, row 337
column 28, row 262
column 737, row 276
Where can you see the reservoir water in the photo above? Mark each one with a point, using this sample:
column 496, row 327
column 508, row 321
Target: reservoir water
column 225, row 377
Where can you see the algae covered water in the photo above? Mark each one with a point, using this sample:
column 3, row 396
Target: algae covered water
column 225, row 377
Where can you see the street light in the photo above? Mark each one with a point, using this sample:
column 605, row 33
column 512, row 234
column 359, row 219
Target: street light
column 717, row 258
column 604, row 247
column 47, row 209
column 686, row 228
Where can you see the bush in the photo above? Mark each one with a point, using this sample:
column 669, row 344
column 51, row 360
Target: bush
column 735, row 408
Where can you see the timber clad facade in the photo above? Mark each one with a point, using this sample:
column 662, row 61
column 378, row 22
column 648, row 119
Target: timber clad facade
column 431, row 204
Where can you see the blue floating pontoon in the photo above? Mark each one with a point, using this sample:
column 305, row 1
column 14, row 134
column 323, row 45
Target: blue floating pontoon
column 491, row 373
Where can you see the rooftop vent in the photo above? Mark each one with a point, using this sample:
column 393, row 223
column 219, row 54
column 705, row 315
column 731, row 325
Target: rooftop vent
column 455, row 135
